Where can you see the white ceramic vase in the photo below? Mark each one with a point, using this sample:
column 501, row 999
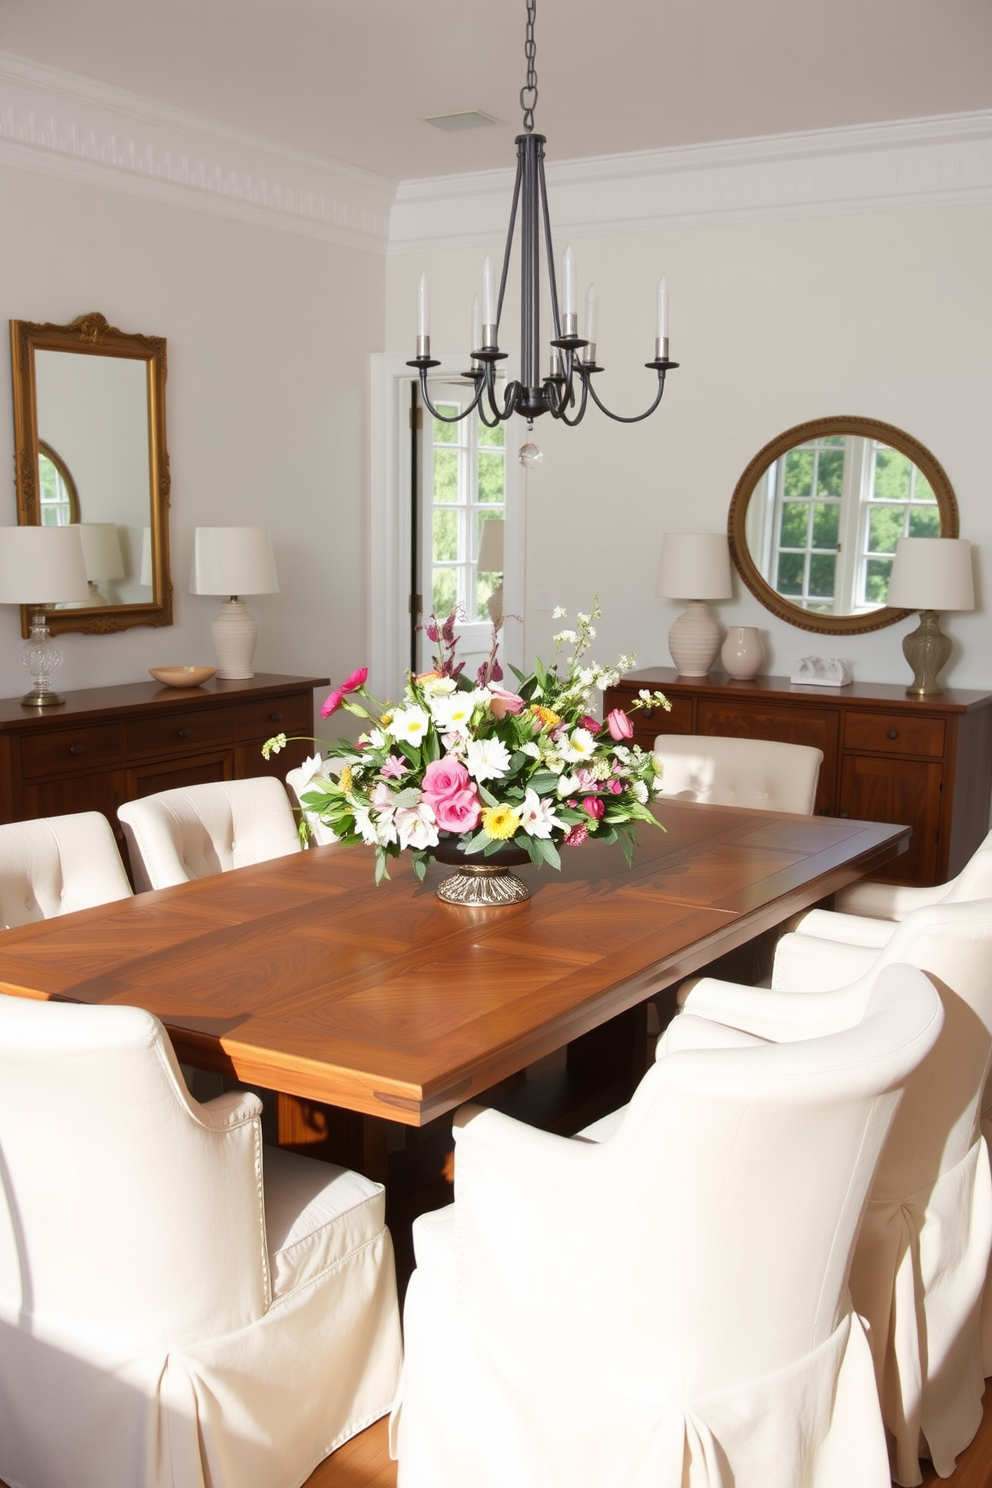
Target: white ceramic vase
column 742, row 652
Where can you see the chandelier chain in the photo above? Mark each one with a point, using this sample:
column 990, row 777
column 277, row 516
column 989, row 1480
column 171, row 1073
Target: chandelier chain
column 528, row 93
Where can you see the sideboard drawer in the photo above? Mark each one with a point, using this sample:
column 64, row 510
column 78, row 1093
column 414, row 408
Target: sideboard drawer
column 288, row 715
column 65, row 751
column 196, row 729
column 895, row 733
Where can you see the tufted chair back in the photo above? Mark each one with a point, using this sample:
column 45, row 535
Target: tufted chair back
column 58, row 864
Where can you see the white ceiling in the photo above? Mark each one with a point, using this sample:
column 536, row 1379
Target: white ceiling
column 354, row 82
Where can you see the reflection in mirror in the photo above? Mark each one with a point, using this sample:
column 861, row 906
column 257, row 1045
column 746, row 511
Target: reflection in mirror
column 89, row 413
column 816, row 516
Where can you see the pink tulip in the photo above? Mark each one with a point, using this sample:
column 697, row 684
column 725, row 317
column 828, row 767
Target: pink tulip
column 593, row 806
column 334, row 699
column 619, row 725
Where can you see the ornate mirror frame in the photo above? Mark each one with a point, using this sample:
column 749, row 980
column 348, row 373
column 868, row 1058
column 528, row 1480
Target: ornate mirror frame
column 780, row 445
column 91, row 335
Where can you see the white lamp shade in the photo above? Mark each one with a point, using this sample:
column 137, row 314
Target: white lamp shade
column 41, row 565
column 932, row 573
column 233, row 560
column 694, row 565
column 490, row 559
column 101, row 550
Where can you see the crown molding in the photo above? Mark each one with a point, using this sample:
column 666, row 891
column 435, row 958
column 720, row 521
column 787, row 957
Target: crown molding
column 58, row 123
column 909, row 163
column 61, row 124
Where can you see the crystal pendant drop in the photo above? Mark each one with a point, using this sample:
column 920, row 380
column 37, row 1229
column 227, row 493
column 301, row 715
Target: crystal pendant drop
column 530, row 455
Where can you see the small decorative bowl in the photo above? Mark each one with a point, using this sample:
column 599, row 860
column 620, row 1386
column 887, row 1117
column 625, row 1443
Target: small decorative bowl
column 182, row 676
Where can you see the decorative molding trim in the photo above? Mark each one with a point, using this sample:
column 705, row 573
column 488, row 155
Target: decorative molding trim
column 911, row 163
column 59, row 123
column 56, row 122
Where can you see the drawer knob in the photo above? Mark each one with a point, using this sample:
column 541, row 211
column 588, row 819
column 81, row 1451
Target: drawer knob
column 892, row 733
column 77, row 748
column 275, row 718
column 184, row 733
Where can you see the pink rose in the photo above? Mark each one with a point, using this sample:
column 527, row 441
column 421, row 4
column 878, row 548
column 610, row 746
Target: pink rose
column 501, row 702
column 445, row 777
column 334, row 699
column 593, row 806
column 619, row 725
column 458, row 813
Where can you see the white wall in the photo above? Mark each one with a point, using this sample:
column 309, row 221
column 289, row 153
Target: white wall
column 269, row 335
column 886, row 315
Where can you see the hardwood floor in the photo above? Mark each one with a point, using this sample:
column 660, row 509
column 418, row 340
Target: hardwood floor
column 364, row 1461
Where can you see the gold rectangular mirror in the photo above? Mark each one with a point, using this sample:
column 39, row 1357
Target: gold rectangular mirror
column 89, row 448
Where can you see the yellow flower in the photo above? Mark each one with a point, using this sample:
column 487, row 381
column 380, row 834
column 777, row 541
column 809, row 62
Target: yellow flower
column 500, row 822
column 344, row 779
column 548, row 718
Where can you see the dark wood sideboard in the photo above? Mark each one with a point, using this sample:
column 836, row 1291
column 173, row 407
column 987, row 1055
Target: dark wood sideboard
column 106, row 745
column 887, row 757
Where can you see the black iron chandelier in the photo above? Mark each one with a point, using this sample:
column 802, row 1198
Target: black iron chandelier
column 565, row 391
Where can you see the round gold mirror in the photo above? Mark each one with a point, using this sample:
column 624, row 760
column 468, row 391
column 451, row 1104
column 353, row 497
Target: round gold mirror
column 815, row 518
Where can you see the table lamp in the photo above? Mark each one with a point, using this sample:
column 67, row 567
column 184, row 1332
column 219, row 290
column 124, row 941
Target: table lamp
column 101, row 556
column 930, row 574
column 41, row 566
column 233, row 561
column 490, row 561
column 695, row 566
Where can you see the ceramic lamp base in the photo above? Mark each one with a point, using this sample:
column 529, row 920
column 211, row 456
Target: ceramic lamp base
column 694, row 640
column 926, row 649
column 234, row 634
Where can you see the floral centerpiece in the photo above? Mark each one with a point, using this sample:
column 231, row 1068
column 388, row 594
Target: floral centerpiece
column 476, row 766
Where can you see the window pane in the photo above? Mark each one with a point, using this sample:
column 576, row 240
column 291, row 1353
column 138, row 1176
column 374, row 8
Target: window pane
column 795, row 524
column 822, row 575
column 445, row 475
column 885, row 527
column 492, row 437
column 924, row 521
column 830, row 477
column 877, row 574
column 799, row 472
column 491, row 484
column 892, row 471
column 445, row 591
column 791, row 567
column 445, row 537
column 826, row 525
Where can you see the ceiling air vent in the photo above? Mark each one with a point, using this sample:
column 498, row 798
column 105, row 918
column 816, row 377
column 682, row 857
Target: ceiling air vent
column 468, row 119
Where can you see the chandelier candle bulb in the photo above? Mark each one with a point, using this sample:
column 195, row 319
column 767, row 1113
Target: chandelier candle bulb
column 488, row 302
column 476, row 343
column 568, row 282
column 423, row 307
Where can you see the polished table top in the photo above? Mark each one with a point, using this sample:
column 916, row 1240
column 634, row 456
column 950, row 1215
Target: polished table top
column 302, row 976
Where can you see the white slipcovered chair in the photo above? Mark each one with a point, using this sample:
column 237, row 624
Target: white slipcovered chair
column 759, row 773
column 58, row 864
column 197, row 830
column 298, row 780
column 865, row 914
column 176, row 1310
column 667, row 1307
column 923, row 1255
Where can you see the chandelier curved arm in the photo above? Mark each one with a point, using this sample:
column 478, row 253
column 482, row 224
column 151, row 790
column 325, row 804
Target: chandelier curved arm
column 561, row 395
column 444, row 418
column 635, row 418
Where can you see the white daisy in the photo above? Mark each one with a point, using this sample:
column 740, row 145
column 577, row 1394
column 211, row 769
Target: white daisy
column 487, row 759
column 409, row 724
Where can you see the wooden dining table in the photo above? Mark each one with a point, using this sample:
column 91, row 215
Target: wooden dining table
column 303, row 977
